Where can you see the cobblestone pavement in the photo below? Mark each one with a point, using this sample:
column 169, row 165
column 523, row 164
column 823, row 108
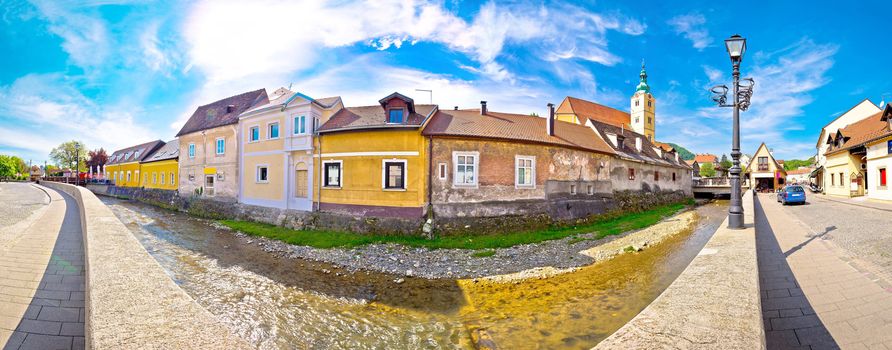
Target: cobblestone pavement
column 864, row 234
column 42, row 289
column 813, row 296
column 18, row 200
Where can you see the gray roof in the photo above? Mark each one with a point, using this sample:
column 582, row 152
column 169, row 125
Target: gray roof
column 627, row 150
column 170, row 150
column 134, row 153
column 219, row 113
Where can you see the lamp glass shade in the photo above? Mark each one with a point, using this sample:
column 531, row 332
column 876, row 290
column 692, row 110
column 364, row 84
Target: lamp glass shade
column 736, row 46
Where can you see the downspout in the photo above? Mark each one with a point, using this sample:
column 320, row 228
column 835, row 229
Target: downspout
column 430, row 177
column 321, row 174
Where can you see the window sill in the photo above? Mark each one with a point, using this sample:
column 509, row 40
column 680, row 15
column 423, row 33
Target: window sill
column 261, row 182
column 524, row 187
column 455, row 185
column 331, row 187
column 272, row 138
column 394, row 189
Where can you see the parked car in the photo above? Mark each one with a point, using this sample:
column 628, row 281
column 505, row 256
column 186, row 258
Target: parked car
column 791, row 194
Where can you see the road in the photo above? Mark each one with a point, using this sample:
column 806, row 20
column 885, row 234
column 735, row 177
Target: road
column 816, row 264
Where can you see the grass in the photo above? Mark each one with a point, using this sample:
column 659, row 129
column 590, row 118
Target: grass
column 333, row 239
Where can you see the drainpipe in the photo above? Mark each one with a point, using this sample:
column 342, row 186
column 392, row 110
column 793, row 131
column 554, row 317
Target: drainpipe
column 430, row 177
column 321, row 174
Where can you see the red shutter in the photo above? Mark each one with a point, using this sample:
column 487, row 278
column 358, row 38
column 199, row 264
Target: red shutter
column 882, row 177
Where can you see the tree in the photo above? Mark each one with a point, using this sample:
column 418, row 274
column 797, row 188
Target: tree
column 794, row 164
column 7, row 166
column 65, row 155
column 725, row 163
column 707, row 170
column 98, row 158
column 51, row 170
column 20, row 166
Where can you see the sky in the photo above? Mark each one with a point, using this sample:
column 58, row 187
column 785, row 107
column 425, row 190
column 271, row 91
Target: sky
column 118, row 73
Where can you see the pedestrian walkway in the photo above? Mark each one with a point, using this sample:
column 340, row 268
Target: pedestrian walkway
column 42, row 289
column 811, row 297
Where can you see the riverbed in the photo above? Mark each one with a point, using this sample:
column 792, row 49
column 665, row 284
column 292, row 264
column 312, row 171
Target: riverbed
column 286, row 303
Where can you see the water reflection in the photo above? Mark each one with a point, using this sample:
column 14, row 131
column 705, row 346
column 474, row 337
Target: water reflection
column 280, row 303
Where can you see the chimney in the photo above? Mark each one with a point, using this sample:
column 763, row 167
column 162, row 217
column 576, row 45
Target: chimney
column 638, row 144
column 230, row 108
column 549, row 124
column 482, row 107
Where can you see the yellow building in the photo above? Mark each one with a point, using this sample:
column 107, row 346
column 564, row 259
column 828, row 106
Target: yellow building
column 160, row 170
column 846, row 170
column 374, row 159
column 277, row 149
column 764, row 171
column 123, row 166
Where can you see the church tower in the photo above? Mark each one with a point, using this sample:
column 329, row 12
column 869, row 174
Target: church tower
column 643, row 106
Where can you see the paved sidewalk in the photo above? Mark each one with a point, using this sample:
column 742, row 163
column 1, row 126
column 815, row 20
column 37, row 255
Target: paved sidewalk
column 857, row 201
column 811, row 297
column 42, row 289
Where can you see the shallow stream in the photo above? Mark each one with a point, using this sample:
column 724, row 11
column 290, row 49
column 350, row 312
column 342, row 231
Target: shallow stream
column 280, row 303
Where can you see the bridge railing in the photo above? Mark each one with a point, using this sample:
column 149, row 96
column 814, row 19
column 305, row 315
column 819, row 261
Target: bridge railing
column 712, row 182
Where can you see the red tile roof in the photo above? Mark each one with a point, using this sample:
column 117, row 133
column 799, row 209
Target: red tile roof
column 589, row 110
column 863, row 131
column 373, row 117
column 706, row 158
column 217, row 113
column 514, row 127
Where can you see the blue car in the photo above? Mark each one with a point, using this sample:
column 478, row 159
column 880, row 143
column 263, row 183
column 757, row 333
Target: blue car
column 791, row 194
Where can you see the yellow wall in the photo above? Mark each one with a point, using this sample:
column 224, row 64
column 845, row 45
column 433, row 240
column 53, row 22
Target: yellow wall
column 155, row 169
column 121, row 170
column 567, row 117
column 847, row 165
column 362, row 180
column 270, row 190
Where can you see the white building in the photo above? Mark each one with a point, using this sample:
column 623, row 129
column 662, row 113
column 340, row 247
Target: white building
column 879, row 162
column 858, row 112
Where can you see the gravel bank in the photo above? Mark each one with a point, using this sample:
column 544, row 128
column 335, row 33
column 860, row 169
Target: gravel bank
column 519, row 262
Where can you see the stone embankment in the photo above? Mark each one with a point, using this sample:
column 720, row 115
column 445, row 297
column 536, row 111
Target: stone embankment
column 506, row 264
column 131, row 302
column 713, row 304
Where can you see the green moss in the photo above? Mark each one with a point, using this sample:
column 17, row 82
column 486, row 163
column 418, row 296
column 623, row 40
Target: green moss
column 629, row 249
column 606, row 226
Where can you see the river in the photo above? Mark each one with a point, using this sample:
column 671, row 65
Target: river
column 280, row 303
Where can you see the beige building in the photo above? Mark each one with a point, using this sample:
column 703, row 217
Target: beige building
column 860, row 111
column 277, row 149
column 765, row 173
column 209, row 151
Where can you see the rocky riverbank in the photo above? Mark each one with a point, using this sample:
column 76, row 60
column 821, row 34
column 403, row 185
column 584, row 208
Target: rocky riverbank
column 506, row 264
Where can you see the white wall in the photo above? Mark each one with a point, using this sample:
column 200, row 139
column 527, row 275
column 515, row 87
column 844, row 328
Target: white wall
column 877, row 158
column 858, row 112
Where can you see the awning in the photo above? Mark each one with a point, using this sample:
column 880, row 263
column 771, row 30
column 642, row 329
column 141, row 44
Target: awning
column 817, row 171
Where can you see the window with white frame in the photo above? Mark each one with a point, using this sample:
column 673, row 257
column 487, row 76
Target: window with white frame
column 221, row 145
column 154, row 178
column 191, row 150
column 525, row 171
column 262, row 174
column 300, row 125
column 442, row 169
column 128, row 176
column 394, row 174
column 332, row 173
column 465, row 172
column 172, row 179
column 272, row 131
column 254, row 134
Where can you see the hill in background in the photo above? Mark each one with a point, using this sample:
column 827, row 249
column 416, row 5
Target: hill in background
column 682, row 152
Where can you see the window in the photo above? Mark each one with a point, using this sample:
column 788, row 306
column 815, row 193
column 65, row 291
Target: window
column 395, row 116
column 221, row 145
column 191, row 150
column 301, row 181
column 883, row 177
column 128, row 176
column 332, row 175
column 272, row 131
column 255, row 134
column 300, row 125
column 763, row 163
column 649, row 103
column 590, row 190
column 172, row 179
column 636, row 103
column 262, row 174
column 191, row 177
column 673, row 177
column 656, row 176
column 572, row 189
column 209, row 185
column 154, row 178
column 394, row 174
column 832, row 179
column 631, row 174
column 442, row 174
column 525, row 171
column 465, row 173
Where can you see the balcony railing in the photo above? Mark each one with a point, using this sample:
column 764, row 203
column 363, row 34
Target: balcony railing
column 763, row 167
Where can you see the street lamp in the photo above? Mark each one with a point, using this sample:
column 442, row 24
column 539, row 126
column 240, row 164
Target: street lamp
column 742, row 92
column 77, row 162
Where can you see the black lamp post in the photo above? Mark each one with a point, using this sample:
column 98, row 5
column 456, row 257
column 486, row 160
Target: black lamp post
column 77, row 162
column 743, row 91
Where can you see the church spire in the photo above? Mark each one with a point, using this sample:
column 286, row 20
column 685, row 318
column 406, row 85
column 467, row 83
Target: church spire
column 642, row 85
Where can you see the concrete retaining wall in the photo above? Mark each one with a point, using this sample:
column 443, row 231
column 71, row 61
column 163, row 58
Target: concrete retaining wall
column 713, row 304
column 131, row 301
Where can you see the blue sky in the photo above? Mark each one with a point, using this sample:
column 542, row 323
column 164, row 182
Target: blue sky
column 114, row 74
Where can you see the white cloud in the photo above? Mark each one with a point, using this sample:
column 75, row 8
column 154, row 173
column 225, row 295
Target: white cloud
column 692, row 27
column 66, row 115
column 85, row 38
column 153, row 56
column 226, row 44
